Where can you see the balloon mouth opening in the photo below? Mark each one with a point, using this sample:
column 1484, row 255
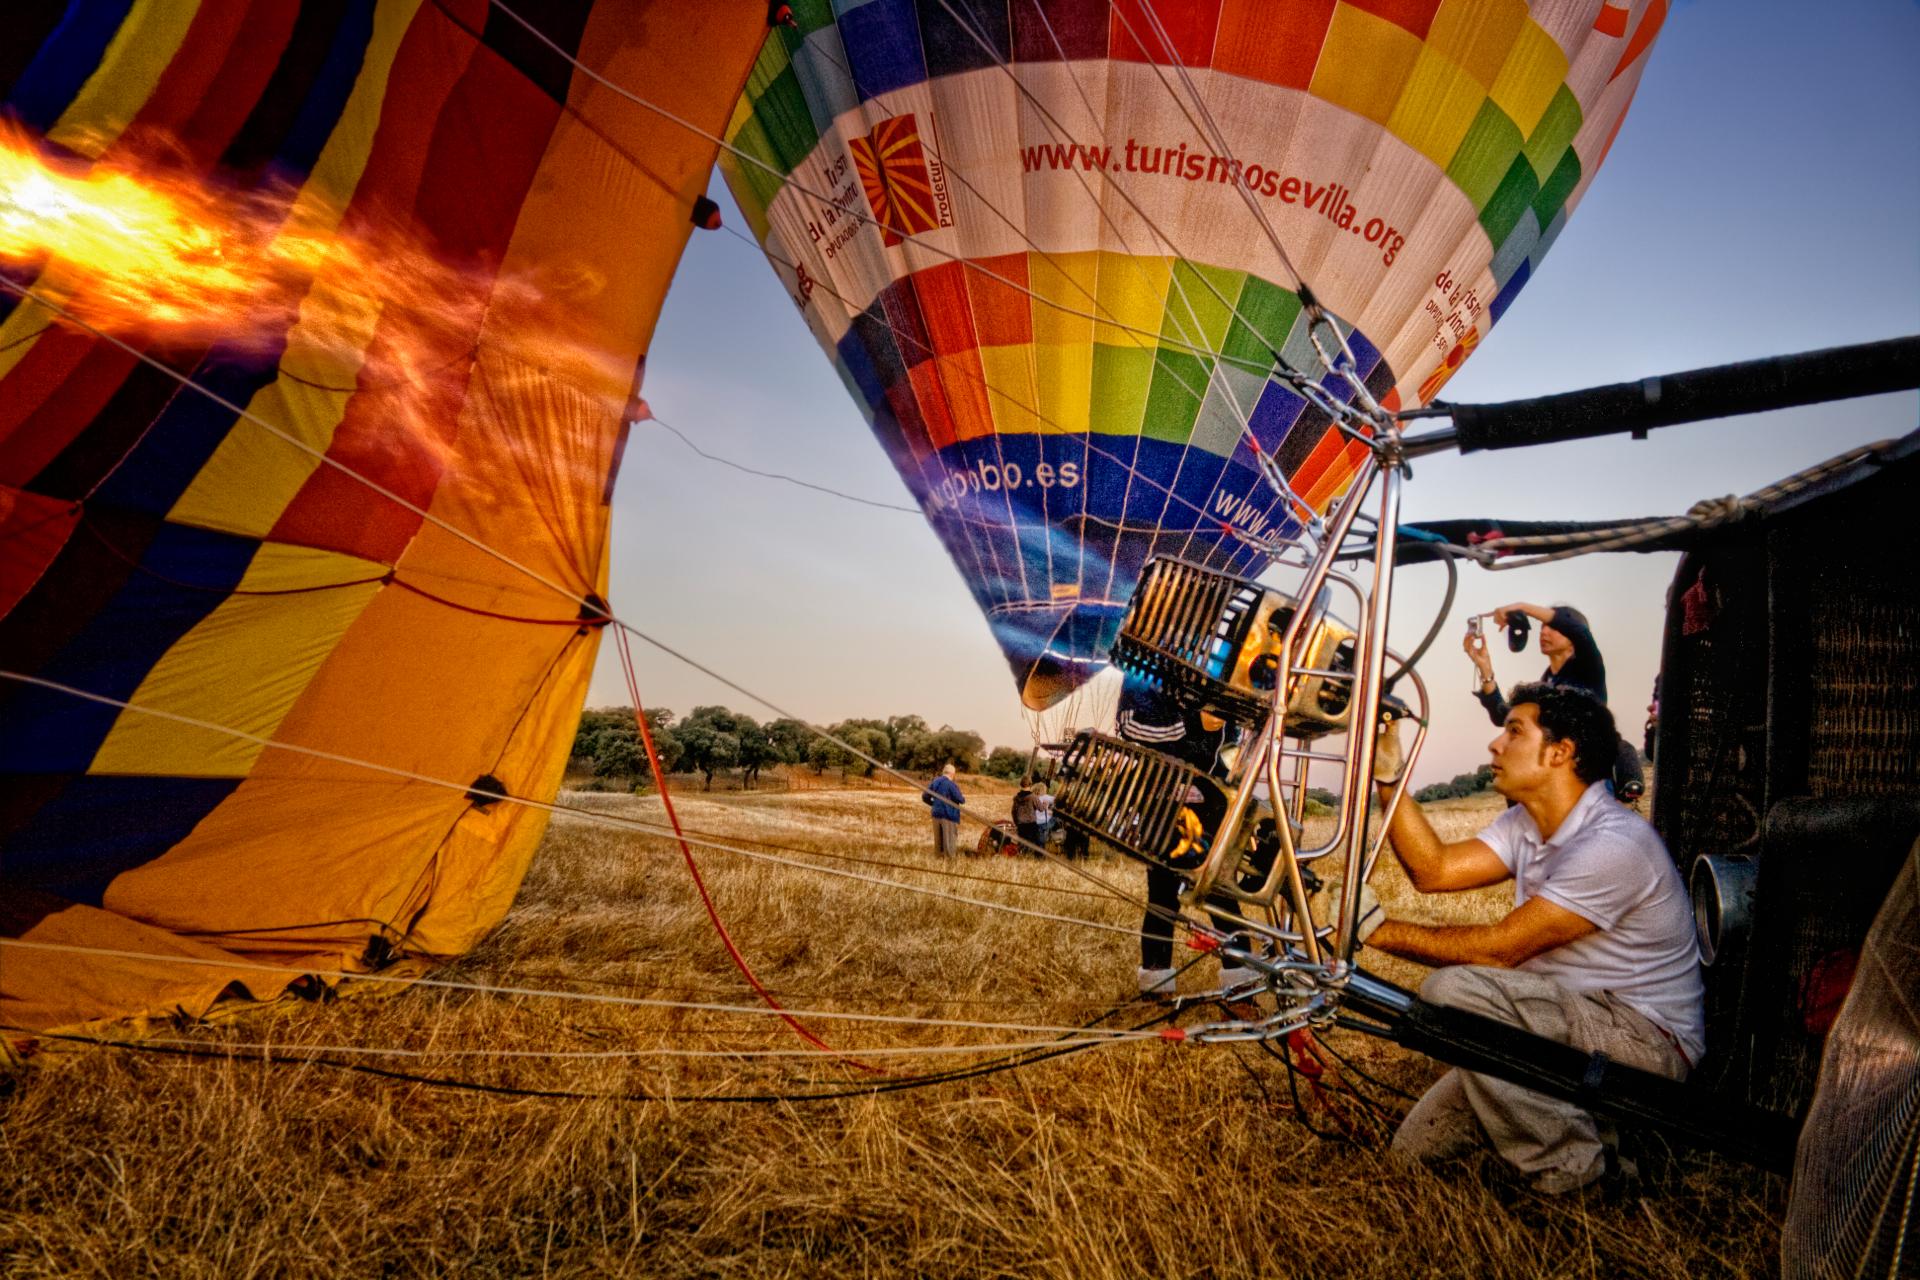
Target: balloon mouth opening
column 1054, row 653
column 1049, row 680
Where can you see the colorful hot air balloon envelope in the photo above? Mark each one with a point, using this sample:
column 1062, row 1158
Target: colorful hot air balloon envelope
column 1022, row 231
column 412, row 254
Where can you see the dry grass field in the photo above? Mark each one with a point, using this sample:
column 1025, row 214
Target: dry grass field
column 1133, row 1157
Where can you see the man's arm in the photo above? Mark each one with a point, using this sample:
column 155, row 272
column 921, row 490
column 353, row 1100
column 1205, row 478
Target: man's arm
column 1526, row 931
column 1434, row 865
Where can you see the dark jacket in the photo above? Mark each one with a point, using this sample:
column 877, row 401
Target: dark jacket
column 1151, row 717
column 944, row 795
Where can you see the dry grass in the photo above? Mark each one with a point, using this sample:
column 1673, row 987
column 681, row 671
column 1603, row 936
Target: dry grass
column 1139, row 1159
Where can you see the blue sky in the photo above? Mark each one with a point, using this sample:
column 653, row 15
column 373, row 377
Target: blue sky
column 1763, row 197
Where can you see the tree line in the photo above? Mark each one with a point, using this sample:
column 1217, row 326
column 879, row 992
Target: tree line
column 713, row 741
column 1461, row 784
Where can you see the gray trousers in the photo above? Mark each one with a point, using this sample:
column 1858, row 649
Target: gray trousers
column 946, row 837
column 1555, row 1144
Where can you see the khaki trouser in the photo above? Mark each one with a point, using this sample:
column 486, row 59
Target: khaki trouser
column 1554, row 1143
column 946, row 837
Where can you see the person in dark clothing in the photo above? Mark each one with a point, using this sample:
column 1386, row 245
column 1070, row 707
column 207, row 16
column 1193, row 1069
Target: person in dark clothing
column 1026, row 821
column 944, row 796
column 1573, row 660
column 1150, row 717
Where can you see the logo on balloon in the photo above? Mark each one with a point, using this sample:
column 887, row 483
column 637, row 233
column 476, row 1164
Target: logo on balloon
column 1449, row 366
column 906, row 188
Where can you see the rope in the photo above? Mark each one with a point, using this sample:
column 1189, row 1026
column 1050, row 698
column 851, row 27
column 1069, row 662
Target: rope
column 693, row 868
column 1370, row 415
column 585, row 997
column 1511, row 552
column 616, row 1055
column 1002, row 907
column 598, row 609
column 793, row 821
column 187, row 381
column 777, row 475
column 591, row 815
column 896, row 1085
column 390, row 578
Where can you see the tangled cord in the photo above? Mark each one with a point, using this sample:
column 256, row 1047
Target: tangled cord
column 289, row 1056
column 1520, row 551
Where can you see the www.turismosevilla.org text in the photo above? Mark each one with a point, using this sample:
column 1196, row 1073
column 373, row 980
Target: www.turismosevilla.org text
column 1328, row 199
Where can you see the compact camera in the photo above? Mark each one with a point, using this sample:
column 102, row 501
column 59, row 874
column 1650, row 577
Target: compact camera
column 1519, row 627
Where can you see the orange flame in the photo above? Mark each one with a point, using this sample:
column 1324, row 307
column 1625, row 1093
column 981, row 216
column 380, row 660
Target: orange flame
column 138, row 247
column 140, row 250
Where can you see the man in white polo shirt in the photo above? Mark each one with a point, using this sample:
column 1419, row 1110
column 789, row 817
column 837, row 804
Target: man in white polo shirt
column 1598, row 951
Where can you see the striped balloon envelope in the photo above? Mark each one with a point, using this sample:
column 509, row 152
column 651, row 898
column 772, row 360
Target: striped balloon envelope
column 1058, row 251
column 318, row 332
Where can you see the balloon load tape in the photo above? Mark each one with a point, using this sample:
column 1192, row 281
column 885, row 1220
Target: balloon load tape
column 1216, row 644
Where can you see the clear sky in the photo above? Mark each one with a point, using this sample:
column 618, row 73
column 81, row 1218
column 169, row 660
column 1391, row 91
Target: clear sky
column 1763, row 198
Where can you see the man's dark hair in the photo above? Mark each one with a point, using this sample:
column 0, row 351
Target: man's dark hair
column 1569, row 713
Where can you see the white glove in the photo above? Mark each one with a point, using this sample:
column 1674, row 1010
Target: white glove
column 1372, row 914
column 1388, row 760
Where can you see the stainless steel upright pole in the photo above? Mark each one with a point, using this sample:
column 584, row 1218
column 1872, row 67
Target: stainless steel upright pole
column 1364, row 719
column 1305, row 617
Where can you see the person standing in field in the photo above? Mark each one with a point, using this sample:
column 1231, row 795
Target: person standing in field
column 1026, row 821
column 1042, row 814
column 1573, row 659
column 1598, row 951
column 944, row 796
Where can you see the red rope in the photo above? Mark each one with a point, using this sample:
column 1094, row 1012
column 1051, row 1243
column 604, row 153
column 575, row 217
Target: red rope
column 699, row 882
column 1304, row 1049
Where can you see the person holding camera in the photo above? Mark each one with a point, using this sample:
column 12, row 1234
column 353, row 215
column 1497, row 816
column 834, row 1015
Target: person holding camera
column 1573, row 660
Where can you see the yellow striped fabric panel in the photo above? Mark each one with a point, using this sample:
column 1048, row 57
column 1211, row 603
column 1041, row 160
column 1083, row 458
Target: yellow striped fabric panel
column 242, row 667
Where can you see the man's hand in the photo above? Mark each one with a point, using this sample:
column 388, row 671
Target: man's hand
column 1372, row 914
column 1389, row 761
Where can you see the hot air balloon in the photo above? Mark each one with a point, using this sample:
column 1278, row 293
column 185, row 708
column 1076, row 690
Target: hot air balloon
column 318, row 335
column 1071, row 257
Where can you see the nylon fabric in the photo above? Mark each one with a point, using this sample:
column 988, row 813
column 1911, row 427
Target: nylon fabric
column 462, row 245
column 1007, row 227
